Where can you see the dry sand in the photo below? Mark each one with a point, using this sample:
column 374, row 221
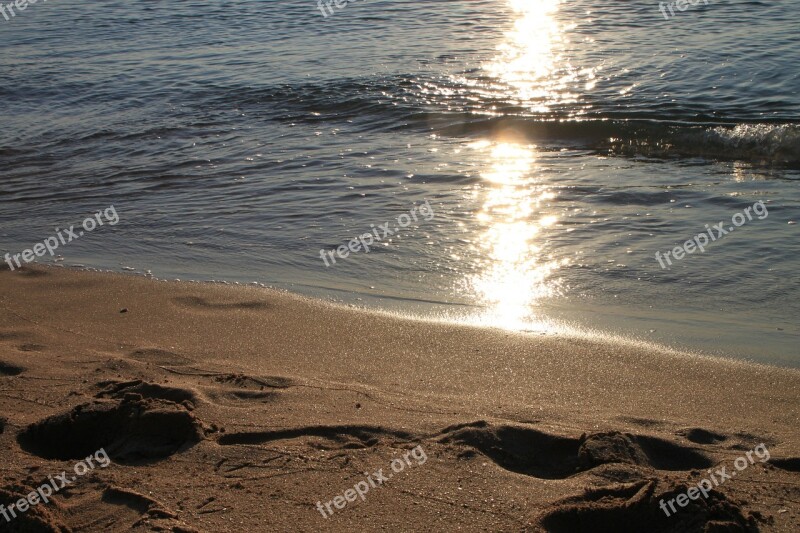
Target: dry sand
column 238, row 409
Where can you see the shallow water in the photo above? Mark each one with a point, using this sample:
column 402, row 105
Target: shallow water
column 559, row 145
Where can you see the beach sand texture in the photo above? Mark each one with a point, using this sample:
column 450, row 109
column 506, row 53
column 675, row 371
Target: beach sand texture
column 230, row 408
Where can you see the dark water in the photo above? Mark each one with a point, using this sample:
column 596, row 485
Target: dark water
column 560, row 146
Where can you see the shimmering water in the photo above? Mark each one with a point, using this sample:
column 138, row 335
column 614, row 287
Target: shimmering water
column 560, row 144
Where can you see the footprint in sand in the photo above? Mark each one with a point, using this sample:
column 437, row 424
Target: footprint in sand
column 239, row 390
column 13, row 335
column 196, row 302
column 702, row 436
column 238, row 397
column 116, row 508
column 790, row 464
column 31, row 347
column 120, row 389
column 535, row 453
column 156, row 356
column 26, row 271
column 250, row 382
column 128, row 429
column 8, row 369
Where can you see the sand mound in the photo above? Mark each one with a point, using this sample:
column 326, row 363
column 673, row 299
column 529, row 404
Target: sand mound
column 634, row 508
column 615, row 447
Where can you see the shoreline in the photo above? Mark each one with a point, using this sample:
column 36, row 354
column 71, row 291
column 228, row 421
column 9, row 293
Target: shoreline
column 592, row 321
column 312, row 395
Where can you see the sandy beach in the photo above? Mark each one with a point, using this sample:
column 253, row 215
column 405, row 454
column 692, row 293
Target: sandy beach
column 232, row 408
column 493, row 266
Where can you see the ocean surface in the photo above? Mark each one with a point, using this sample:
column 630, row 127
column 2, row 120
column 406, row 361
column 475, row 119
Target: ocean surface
column 559, row 146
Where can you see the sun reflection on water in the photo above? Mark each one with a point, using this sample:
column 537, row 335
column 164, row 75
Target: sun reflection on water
column 513, row 269
column 531, row 60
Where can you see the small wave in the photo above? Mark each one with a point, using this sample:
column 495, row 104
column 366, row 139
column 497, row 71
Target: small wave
column 402, row 102
column 773, row 144
column 452, row 106
column 779, row 142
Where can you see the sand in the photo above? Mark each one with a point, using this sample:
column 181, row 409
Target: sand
column 231, row 408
